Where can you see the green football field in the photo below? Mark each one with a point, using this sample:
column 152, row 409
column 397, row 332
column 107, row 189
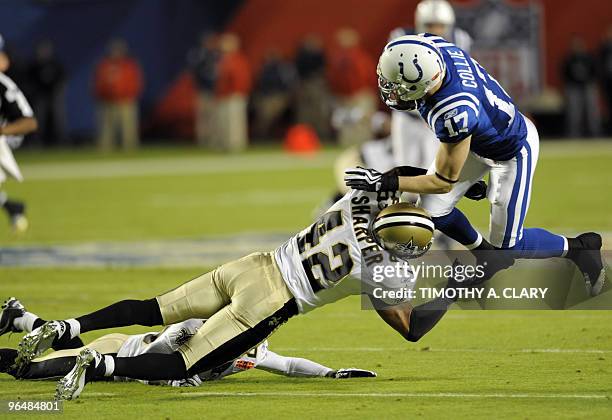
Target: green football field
column 476, row 364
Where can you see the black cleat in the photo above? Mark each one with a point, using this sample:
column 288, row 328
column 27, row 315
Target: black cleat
column 7, row 360
column 11, row 309
column 587, row 256
column 16, row 213
column 40, row 340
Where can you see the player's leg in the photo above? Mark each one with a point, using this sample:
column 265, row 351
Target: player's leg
column 198, row 298
column 260, row 303
column 9, row 168
column 510, row 187
column 59, row 363
column 448, row 219
column 15, row 318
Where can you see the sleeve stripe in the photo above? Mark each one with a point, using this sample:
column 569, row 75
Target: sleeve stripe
column 13, row 93
column 23, row 104
column 448, row 108
column 448, row 99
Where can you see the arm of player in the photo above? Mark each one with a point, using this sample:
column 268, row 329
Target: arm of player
column 449, row 162
column 414, row 323
column 304, row 368
column 20, row 127
column 292, row 366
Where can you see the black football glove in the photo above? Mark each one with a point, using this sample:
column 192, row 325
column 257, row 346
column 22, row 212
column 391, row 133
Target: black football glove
column 370, row 180
column 348, row 373
column 477, row 192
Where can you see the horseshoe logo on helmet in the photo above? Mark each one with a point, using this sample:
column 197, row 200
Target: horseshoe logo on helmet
column 416, row 65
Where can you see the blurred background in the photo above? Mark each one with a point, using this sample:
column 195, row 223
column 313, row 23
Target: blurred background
column 178, row 71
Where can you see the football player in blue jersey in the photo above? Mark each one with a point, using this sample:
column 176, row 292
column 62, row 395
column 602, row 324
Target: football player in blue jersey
column 481, row 132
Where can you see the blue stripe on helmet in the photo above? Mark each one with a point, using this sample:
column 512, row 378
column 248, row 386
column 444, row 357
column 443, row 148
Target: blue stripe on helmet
column 415, row 42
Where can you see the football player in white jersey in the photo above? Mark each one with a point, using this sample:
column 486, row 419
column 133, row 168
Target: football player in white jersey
column 60, row 362
column 16, row 120
column 245, row 300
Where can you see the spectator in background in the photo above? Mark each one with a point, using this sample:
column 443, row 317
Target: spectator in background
column 313, row 104
column 579, row 76
column 272, row 95
column 606, row 73
column 352, row 77
column 203, row 62
column 232, row 89
column 118, row 85
column 46, row 75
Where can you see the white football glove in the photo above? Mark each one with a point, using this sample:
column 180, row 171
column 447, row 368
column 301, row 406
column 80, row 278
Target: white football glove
column 14, row 141
column 193, row 381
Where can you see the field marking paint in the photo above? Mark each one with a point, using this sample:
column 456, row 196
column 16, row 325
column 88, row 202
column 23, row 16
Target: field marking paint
column 392, row 395
column 440, row 350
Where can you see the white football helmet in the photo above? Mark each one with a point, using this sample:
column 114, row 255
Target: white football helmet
column 407, row 69
column 432, row 12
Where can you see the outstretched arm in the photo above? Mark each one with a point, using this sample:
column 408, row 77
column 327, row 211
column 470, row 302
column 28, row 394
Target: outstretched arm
column 449, row 162
column 292, row 366
column 414, row 323
column 298, row 367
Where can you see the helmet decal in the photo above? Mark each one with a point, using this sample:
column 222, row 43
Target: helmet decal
column 419, row 69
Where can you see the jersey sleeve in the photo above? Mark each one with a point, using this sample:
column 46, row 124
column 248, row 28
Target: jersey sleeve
column 14, row 104
column 456, row 121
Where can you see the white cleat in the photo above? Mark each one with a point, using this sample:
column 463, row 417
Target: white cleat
column 37, row 342
column 19, row 223
column 71, row 385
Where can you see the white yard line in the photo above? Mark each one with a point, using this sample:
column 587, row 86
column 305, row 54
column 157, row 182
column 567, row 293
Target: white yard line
column 394, row 395
column 439, row 350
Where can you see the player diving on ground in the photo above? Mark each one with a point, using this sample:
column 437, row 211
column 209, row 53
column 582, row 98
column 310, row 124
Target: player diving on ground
column 245, row 300
column 59, row 363
column 481, row 133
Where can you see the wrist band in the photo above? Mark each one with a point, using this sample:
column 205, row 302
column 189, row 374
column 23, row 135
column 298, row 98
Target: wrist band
column 450, row 181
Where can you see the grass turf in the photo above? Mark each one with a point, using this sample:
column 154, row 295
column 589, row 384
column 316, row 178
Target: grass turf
column 196, row 195
column 540, row 364
column 529, row 364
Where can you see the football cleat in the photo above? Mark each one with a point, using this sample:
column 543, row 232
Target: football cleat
column 7, row 360
column 590, row 262
column 19, row 223
column 348, row 373
column 38, row 341
column 11, row 309
column 71, row 385
column 16, row 213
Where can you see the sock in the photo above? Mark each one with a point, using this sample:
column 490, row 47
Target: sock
column 109, row 364
column 75, row 327
column 151, row 366
column 27, row 322
column 38, row 322
column 122, row 314
column 456, row 226
column 540, row 243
